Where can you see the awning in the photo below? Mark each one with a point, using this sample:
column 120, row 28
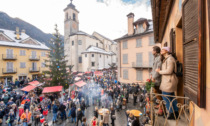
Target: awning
column 80, row 74
column 80, row 83
column 28, row 88
column 52, row 89
column 87, row 72
column 34, row 83
column 77, row 79
column 98, row 73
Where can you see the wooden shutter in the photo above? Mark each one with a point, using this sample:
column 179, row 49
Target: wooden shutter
column 33, row 53
column 139, row 59
column 139, row 75
column 151, row 58
column 192, row 48
column 138, row 42
column 173, row 41
column 9, row 66
column 125, row 58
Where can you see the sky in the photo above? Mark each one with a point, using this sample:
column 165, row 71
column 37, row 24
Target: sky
column 107, row 17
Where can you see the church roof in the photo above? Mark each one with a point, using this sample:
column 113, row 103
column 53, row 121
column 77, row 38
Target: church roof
column 72, row 6
column 94, row 49
column 22, row 42
column 86, row 34
column 113, row 42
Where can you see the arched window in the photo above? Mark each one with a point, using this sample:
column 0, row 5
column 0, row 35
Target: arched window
column 67, row 16
column 74, row 16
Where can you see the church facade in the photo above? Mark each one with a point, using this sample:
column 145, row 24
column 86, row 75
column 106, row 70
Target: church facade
column 86, row 52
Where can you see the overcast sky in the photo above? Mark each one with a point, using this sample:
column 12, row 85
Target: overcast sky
column 108, row 17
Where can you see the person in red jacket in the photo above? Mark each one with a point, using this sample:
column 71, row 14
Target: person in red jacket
column 21, row 111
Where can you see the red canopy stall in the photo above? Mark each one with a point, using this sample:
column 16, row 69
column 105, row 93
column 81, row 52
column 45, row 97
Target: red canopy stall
column 52, row 89
column 77, row 79
column 98, row 73
column 80, row 74
column 28, row 88
column 80, row 83
column 35, row 83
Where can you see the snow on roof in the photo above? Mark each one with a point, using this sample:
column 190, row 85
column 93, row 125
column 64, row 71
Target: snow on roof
column 17, row 43
column 113, row 42
column 93, row 49
column 86, row 34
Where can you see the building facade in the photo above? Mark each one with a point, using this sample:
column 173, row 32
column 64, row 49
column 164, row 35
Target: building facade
column 86, row 52
column 20, row 56
column 135, row 51
column 183, row 25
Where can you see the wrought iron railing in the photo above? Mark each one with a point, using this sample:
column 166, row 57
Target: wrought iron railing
column 185, row 113
column 141, row 65
column 9, row 57
column 31, row 70
column 9, row 71
column 34, row 58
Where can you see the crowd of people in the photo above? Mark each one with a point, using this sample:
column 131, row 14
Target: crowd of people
column 106, row 95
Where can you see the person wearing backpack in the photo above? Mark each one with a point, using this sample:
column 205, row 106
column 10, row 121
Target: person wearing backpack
column 169, row 81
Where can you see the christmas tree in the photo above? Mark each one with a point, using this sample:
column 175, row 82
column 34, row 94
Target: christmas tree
column 59, row 73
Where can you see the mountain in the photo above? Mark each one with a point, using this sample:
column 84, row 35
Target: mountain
column 7, row 22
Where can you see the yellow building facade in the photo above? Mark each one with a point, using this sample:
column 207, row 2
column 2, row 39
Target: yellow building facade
column 21, row 56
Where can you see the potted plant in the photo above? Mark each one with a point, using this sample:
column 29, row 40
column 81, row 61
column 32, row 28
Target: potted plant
column 149, row 84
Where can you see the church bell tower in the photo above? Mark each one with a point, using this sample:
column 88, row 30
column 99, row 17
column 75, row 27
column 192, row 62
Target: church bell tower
column 71, row 22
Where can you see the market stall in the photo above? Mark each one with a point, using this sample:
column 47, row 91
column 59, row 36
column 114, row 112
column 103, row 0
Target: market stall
column 35, row 83
column 28, row 88
column 80, row 74
column 77, row 79
column 98, row 73
column 80, row 84
column 52, row 89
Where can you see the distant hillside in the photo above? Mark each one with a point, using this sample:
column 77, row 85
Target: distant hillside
column 6, row 22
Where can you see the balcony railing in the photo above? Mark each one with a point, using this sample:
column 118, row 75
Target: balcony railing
column 34, row 58
column 141, row 65
column 32, row 70
column 185, row 114
column 9, row 57
column 9, row 71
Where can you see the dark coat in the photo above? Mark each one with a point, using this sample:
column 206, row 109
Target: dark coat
column 73, row 112
column 79, row 115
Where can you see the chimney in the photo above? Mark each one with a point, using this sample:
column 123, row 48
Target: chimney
column 23, row 31
column 130, row 23
column 17, row 33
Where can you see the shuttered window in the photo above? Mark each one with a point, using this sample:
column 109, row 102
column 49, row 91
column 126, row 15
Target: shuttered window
column 139, row 59
column 151, row 41
column 33, row 53
column 43, row 54
column 125, row 74
column 125, row 58
column 125, row 45
column 9, row 53
column 194, row 86
column 173, row 41
column 138, row 43
column 22, row 65
column 34, row 66
column 43, row 64
column 9, row 66
column 151, row 59
column 22, row 52
column 139, row 75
